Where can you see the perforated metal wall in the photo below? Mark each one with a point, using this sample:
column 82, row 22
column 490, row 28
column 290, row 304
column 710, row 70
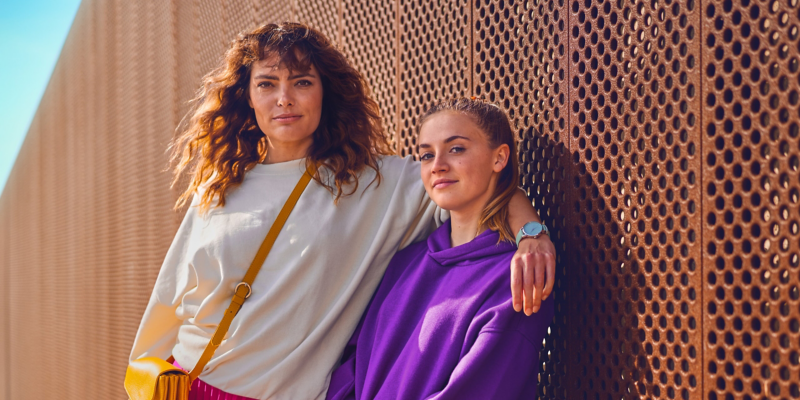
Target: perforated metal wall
column 634, row 98
column 659, row 138
column 434, row 61
column 751, row 188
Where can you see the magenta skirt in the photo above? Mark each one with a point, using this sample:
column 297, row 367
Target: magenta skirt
column 203, row 391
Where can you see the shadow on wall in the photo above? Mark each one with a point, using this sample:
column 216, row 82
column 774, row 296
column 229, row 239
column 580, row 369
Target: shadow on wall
column 604, row 285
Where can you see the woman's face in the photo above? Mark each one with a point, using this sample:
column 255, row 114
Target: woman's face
column 287, row 104
column 459, row 168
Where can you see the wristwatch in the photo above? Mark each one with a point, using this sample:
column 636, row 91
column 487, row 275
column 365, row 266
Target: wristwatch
column 533, row 230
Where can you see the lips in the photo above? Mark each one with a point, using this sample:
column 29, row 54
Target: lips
column 442, row 183
column 286, row 117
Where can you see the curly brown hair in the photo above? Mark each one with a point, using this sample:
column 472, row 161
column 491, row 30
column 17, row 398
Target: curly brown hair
column 222, row 140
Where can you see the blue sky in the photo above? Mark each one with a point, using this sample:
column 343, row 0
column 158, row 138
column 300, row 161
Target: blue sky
column 32, row 33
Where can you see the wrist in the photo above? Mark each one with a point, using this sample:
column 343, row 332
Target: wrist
column 532, row 230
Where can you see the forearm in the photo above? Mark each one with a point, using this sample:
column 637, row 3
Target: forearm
column 533, row 265
column 521, row 211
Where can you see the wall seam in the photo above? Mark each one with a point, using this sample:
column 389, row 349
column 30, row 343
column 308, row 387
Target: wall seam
column 397, row 74
column 6, row 304
column 340, row 24
column 471, row 76
column 568, row 193
column 702, row 204
column 176, row 69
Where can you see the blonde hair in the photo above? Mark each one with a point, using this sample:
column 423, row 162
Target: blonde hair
column 494, row 123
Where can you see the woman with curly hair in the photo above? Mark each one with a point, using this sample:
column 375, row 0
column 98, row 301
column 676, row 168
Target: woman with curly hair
column 285, row 101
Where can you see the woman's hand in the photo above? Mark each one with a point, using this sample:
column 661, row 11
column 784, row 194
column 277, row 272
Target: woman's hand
column 533, row 270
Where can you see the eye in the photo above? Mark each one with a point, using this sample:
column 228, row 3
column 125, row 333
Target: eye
column 426, row 156
column 304, row 82
column 264, row 84
column 457, row 149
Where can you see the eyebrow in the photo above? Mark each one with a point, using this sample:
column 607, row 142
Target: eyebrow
column 275, row 78
column 448, row 140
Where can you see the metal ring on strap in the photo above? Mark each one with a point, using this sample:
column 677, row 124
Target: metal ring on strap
column 247, row 285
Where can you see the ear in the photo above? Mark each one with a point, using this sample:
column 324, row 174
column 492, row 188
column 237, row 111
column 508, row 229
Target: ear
column 249, row 102
column 501, row 154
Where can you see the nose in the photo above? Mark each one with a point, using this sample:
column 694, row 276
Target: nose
column 285, row 96
column 439, row 164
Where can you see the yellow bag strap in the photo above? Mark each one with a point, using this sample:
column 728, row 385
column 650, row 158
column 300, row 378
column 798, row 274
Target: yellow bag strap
column 243, row 289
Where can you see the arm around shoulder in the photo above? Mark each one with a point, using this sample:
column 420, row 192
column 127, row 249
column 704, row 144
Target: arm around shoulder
column 420, row 214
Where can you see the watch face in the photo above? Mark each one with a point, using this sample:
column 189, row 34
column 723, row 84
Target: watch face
column 533, row 229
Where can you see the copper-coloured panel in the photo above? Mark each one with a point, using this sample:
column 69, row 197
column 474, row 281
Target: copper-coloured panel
column 369, row 40
column 519, row 62
column 634, row 198
column 323, row 15
column 434, row 59
column 273, row 11
column 237, row 16
column 657, row 138
column 751, row 186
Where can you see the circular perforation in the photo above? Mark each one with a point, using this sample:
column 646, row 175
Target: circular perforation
column 210, row 42
column 368, row 40
column 434, row 60
column 652, row 133
column 237, row 16
column 519, row 63
column 322, row 15
column 273, row 11
column 751, row 183
column 633, row 134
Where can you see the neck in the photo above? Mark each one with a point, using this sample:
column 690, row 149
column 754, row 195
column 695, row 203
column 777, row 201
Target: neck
column 278, row 152
column 465, row 222
column 464, row 226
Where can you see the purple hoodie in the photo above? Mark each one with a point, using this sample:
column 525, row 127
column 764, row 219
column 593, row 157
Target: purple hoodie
column 441, row 326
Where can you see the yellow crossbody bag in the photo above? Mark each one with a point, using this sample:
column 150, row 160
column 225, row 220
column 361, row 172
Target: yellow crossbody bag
column 151, row 378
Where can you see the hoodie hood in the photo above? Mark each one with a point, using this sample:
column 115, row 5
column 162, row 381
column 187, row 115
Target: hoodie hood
column 484, row 245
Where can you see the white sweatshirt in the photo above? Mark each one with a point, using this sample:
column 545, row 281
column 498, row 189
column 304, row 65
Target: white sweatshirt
column 310, row 292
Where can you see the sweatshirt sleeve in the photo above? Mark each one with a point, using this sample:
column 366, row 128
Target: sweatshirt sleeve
column 158, row 330
column 427, row 215
column 498, row 366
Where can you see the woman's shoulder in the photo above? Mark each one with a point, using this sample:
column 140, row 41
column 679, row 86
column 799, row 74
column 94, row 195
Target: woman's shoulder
column 396, row 167
column 397, row 175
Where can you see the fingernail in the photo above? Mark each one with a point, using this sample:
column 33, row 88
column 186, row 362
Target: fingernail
column 517, row 307
column 535, row 308
column 528, row 311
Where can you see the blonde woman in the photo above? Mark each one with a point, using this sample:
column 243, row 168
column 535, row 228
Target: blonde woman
column 441, row 324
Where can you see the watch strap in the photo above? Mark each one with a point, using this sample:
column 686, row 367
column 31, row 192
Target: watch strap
column 523, row 234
